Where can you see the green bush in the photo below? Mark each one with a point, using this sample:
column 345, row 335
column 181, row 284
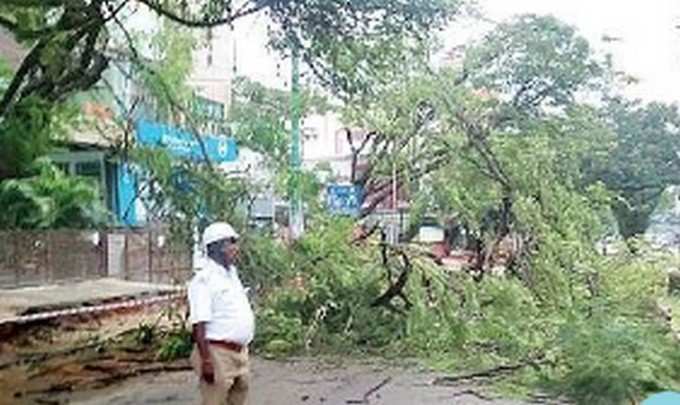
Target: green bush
column 265, row 261
column 321, row 295
column 50, row 199
column 176, row 344
column 613, row 361
column 279, row 331
column 584, row 322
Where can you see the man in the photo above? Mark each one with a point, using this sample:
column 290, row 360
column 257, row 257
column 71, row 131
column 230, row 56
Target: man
column 222, row 319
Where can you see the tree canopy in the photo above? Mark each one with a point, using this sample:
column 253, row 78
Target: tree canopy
column 642, row 162
column 533, row 62
column 69, row 38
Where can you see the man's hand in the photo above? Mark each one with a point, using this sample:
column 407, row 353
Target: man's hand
column 207, row 371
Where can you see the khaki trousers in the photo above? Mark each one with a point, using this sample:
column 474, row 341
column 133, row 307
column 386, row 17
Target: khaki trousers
column 232, row 376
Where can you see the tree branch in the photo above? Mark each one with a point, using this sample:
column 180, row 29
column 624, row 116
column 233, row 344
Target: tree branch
column 164, row 86
column 204, row 23
column 384, row 190
column 396, row 289
column 27, row 66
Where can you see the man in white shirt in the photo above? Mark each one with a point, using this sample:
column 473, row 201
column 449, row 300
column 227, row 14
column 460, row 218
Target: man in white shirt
column 222, row 319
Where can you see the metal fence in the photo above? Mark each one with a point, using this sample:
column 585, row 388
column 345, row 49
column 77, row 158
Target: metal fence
column 30, row 258
column 149, row 256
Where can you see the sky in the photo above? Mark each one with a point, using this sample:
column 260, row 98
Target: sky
column 649, row 48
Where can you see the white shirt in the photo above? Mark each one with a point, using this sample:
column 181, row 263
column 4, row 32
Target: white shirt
column 217, row 297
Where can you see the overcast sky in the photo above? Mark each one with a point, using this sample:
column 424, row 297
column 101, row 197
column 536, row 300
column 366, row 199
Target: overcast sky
column 649, row 48
column 650, row 42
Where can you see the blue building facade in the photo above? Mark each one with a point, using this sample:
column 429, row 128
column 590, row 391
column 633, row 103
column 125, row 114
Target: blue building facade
column 179, row 143
column 88, row 153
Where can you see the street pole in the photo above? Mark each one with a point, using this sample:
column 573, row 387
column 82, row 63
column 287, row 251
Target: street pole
column 296, row 209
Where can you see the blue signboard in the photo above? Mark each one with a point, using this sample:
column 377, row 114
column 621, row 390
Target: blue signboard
column 178, row 143
column 184, row 144
column 344, row 199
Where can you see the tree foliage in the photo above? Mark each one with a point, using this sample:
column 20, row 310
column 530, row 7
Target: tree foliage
column 30, row 133
column 69, row 37
column 27, row 134
column 49, row 199
column 533, row 62
column 260, row 117
column 509, row 152
column 642, row 161
column 186, row 195
column 356, row 45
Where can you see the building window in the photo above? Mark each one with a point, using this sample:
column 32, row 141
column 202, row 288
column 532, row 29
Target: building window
column 63, row 167
column 91, row 171
column 88, row 169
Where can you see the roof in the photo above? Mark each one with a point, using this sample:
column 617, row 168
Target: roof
column 10, row 49
column 94, row 137
column 95, row 134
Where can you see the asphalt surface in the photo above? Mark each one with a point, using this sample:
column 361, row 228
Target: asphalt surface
column 303, row 382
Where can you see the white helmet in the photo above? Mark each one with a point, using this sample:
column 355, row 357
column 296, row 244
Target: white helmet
column 218, row 231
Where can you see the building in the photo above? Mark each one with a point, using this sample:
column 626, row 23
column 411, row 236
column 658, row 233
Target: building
column 213, row 69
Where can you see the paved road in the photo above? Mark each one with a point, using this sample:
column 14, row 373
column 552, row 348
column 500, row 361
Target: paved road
column 302, row 382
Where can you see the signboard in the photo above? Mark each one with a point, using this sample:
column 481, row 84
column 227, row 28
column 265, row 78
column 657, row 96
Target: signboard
column 179, row 143
column 184, row 144
column 344, row 199
column 430, row 234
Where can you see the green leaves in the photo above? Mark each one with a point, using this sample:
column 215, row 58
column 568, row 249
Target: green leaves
column 615, row 361
column 356, row 46
column 318, row 292
column 50, row 200
column 29, row 133
column 186, row 195
column 534, row 62
column 260, row 116
column 642, row 161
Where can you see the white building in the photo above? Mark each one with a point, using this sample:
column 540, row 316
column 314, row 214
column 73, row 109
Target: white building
column 213, row 66
column 213, row 58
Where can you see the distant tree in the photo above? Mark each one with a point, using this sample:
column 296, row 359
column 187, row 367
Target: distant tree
column 642, row 162
column 534, row 62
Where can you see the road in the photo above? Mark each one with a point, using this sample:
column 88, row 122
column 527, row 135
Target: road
column 303, row 382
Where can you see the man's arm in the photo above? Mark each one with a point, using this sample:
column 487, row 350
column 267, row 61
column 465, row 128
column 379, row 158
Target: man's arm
column 207, row 370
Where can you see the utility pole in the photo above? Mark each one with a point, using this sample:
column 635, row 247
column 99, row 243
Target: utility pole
column 296, row 210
